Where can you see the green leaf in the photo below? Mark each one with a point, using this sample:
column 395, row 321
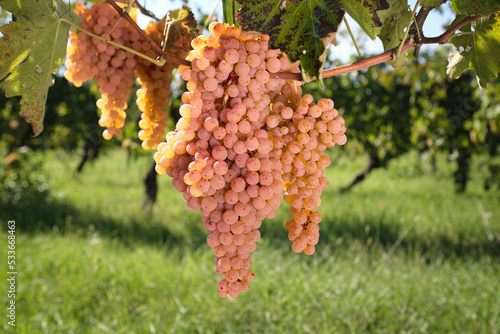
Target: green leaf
column 395, row 20
column 431, row 3
column 364, row 12
column 181, row 28
column 32, row 49
column 476, row 7
column 478, row 50
column 314, row 60
column 229, row 8
column 294, row 26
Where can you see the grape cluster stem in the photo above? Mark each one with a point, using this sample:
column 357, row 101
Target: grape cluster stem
column 154, row 61
column 162, row 55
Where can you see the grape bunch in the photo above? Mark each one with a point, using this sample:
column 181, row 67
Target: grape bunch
column 152, row 97
column 244, row 137
column 302, row 130
column 309, row 131
column 226, row 154
column 81, row 52
column 112, row 68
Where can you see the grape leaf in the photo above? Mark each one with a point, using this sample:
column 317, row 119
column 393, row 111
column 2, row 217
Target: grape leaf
column 394, row 21
column 229, row 8
column 315, row 46
column 479, row 7
column 364, row 12
column 294, row 26
column 181, row 27
column 431, row 3
column 478, row 50
column 32, row 49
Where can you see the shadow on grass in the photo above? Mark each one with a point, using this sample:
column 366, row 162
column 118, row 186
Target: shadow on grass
column 62, row 217
column 384, row 234
column 454, row 244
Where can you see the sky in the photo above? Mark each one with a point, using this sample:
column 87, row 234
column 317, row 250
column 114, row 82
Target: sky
column 345, row 48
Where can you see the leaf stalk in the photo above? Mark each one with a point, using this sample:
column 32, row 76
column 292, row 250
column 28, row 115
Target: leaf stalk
column 408, row 28
column 352, row 37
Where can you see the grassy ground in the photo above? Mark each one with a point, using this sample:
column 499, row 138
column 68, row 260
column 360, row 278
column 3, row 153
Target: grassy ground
column 400, row 253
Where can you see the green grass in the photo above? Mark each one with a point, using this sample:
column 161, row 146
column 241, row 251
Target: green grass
column 400, row 253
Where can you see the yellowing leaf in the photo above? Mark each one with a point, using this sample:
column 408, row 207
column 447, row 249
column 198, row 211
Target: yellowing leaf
column 32, row 49
column 181, row 28
column 478, row 50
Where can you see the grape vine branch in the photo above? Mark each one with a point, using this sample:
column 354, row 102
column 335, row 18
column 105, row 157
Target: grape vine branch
column 411, row 41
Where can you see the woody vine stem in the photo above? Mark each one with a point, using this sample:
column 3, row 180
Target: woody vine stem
column 410, row 42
